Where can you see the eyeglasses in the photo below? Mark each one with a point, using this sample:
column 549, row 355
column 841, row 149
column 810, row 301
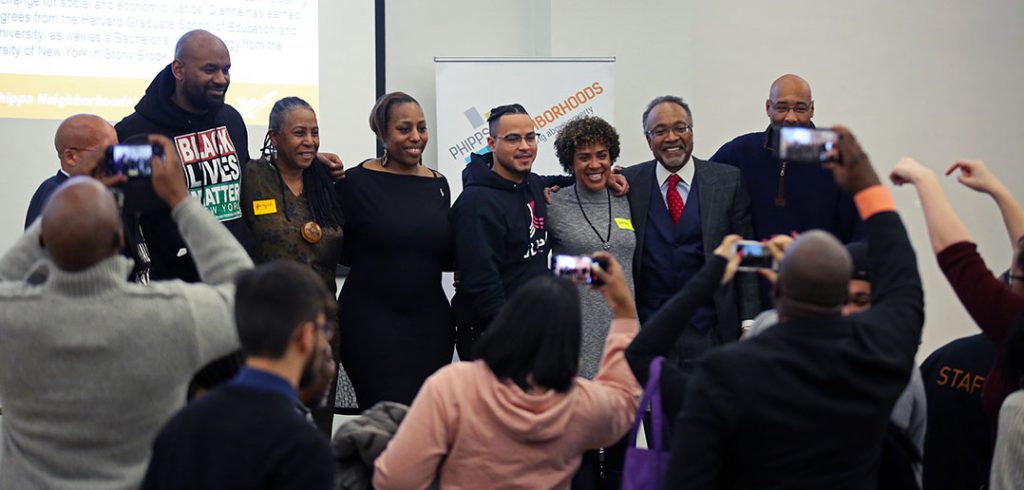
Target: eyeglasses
column 859, row 300
column 680, row 129
column 86, row 149
column 328, row 328
column 783, row 108
column 514, row 139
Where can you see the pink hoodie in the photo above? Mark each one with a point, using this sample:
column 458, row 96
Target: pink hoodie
column 475, row 431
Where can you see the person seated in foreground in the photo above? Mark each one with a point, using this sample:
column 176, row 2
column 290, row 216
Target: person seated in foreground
column 519, row 417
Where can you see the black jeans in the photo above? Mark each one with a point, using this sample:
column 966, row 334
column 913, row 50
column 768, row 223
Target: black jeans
column 602, row 469
column 466, row 337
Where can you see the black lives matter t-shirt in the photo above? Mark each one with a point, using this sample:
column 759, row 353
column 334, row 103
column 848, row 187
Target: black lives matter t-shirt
column 212, row 170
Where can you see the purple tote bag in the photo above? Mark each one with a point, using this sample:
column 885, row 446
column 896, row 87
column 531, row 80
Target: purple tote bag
column 645, row 468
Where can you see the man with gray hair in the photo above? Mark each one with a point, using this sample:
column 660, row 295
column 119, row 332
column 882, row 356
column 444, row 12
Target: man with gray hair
column 91, row 365
column 681, row 210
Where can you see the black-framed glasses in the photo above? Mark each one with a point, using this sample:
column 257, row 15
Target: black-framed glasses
column 680, row 129
column 75, row 148
column 783, row 108
column 514, row 139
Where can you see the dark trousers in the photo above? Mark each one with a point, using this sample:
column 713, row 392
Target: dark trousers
column 466, row 337
column 602, row 469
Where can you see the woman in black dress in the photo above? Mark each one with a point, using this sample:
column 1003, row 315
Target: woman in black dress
column 395, row 321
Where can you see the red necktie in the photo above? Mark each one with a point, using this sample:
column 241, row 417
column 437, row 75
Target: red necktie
column 675, row 201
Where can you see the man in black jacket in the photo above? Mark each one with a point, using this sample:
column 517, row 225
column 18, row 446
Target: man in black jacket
column 501, row 240
column 185, row 102
column 807, row 403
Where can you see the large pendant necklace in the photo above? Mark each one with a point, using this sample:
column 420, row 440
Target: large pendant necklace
column 606, row 243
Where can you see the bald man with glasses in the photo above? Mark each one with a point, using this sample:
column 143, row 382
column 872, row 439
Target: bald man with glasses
column 81, row 140
column 786, row 197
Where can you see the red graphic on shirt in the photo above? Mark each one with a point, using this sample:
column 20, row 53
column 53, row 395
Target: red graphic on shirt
column 536, row 222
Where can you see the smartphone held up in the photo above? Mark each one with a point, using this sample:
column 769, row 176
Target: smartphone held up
column 577, row 268
column 132, row 161
column 805, row 145
column 755, row 255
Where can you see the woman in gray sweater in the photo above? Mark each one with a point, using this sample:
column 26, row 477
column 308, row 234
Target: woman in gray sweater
column 587, row 218
column 583, row 219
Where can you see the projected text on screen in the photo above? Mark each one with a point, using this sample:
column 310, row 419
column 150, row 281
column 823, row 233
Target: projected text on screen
column 60, row 57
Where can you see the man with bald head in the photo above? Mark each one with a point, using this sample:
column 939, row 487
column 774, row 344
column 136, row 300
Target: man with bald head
column 789, row 197
column 80, row 142
column 91, row 366
column 806, row 404
column 185, row 102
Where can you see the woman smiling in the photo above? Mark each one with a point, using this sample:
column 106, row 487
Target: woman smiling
column 288, row 201
column 394, row 315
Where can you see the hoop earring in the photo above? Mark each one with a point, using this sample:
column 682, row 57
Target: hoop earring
column 384, row 159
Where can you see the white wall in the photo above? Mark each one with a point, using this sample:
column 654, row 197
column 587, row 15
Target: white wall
column 937, row 80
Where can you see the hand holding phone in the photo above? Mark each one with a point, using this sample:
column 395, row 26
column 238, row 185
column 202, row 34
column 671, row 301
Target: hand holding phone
column 132, row 161
column 755, row 256
column 577, row 268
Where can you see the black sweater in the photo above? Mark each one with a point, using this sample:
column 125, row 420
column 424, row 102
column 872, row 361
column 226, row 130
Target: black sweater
column 501, row 238
column 659, row 335
column 213, row 147
column 237, row 437
column 807, row 403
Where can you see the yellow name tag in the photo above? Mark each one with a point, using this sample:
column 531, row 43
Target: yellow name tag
column 266, row 206
column 625, row 224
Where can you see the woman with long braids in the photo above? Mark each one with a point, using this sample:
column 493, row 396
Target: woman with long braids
column 289, row 203
column 394, row 317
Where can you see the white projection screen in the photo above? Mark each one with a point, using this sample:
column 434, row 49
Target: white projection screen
column 63, row 57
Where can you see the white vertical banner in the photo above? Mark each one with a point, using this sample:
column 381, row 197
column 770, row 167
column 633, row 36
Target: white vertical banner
column 553, row 91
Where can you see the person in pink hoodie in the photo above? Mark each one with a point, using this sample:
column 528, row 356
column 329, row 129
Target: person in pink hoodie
column 519, row 416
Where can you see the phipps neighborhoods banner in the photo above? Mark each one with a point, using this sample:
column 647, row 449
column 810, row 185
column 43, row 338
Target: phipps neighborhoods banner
column 553, row 91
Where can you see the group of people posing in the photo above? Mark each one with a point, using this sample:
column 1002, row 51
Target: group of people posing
column 558, row 366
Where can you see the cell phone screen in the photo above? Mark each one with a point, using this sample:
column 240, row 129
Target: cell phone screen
column 131, row 161
column 572, row 267
column 805, row 145
column 756, row 255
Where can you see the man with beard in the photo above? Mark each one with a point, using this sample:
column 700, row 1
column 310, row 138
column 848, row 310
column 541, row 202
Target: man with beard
column 250, row 432
column 682, row 210
column 501, row 241
column 185, row 102
column 785, row 197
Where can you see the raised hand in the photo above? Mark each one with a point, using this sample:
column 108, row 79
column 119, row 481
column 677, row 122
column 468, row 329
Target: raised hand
column 168, row 174
column 909, row 171
column 849, row 164
column 727, row 250
column 974, row 174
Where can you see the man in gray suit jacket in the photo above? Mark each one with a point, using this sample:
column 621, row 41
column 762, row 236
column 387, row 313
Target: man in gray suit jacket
column 681, row 211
